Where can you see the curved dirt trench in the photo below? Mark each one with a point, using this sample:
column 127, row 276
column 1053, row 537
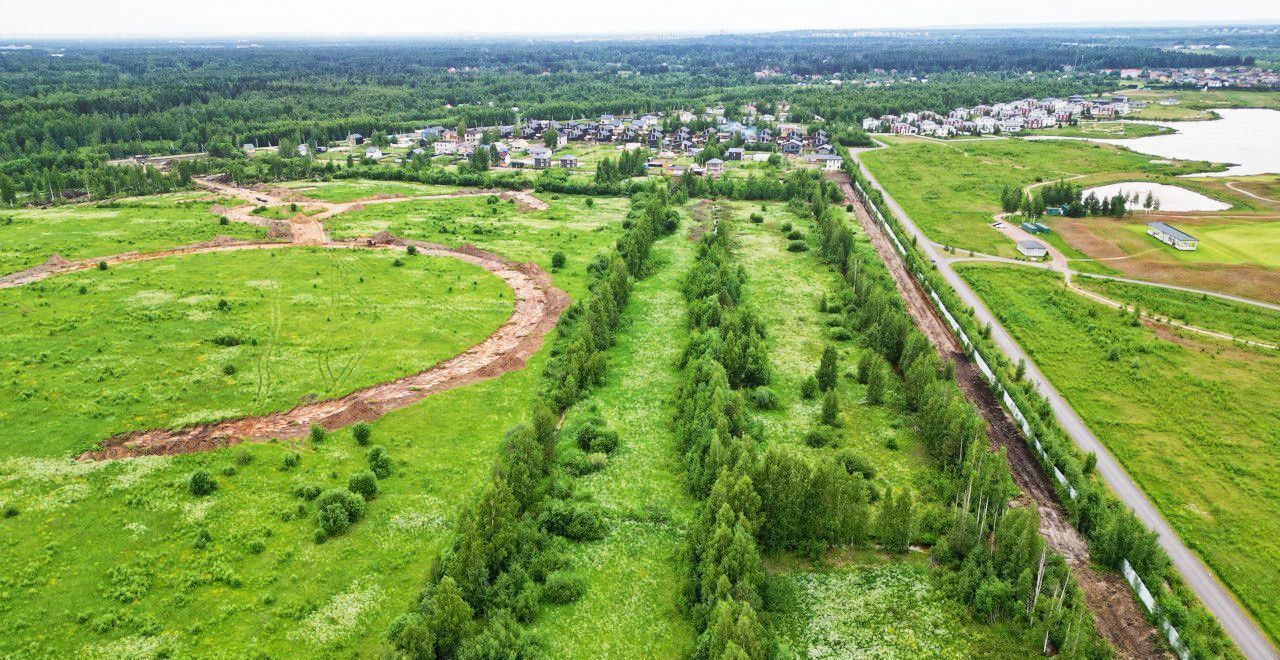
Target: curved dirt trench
column 538, row 305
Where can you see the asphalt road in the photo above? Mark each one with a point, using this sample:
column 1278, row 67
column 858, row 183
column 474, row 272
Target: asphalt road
column 1234, row 620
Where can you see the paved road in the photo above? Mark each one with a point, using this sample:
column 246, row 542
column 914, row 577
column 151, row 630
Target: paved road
column 1235, row 621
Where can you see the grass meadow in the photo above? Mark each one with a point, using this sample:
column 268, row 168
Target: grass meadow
column 109, row 556
column 153, row 344
column 1193, row 420
column 952, row 190
column 1246, row 321
column 350, row 190
column 135, row 224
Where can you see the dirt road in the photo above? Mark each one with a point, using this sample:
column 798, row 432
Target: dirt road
column 1117, row 615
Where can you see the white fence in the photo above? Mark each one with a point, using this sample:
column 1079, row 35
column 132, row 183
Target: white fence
column 1139, row 588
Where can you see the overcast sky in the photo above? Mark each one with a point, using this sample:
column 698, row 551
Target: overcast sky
column 185, row 18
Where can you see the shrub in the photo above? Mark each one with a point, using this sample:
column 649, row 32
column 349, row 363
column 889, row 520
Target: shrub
column 364, row 484
column 202, row 539
column 831, row 409
column 411, row 250
column 577, row 463
column 841, row 334
column 795, row 235
column 102, row 265
column 848, row 208
column 855, row 463
column 379, row 462
column 317, row 433
column 410, row 635
column 82, row 290
column 562, row 588
column 201, row 483
column 243, row 457
column 362, row 431
column 576, row 521
column 590, row 202
column 397, row 262
column 558, row 260
column 223, row 220
column 290, row 461
column 336, row 509
column 786, row 227
column 593, row 436
column 763, row 398
column 229, row 370
column 818, row 438
column 757, row 218
column 809, row 388
column 307, row 492
column 797, row 246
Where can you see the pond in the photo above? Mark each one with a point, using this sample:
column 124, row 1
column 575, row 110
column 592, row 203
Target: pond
column 1172, row 198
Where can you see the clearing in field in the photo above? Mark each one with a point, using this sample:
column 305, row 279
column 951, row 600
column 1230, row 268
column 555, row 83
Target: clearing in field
column 191, row 339
column 350, row 190
column 136, row 224
column 1191, row 419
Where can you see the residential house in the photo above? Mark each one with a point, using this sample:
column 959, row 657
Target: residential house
column 568, row 161
column 715, row 167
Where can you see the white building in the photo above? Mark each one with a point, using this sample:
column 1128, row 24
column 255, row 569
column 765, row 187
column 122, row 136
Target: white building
column 1180, row 240
column 1033, row 249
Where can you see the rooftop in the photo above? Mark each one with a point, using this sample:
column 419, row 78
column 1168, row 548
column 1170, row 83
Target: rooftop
column 1175, row 234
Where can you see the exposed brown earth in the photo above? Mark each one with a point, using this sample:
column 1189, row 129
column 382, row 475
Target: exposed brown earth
column 538, row 307
column 1117, row 615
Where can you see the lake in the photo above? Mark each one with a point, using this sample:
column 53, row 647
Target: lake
column 1246, row 139
column 1172, row 198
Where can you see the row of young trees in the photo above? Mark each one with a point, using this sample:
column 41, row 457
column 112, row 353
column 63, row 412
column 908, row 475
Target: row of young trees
column 507, row 557
column 999, row 564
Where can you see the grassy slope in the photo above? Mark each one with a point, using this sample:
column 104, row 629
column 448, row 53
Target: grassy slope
column 136, row 350
column 952, row 190
column 633, row 575
column 1193, row 421
column 1104, row 129
column 80, row 231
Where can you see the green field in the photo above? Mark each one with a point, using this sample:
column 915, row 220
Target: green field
column 569, row 226
column 1250, row 243
column 1192, row 420
column 95, row 353
column 136, row 224
column 633, row 575
column 873, row 609
column 1203, row 311
column 1104, row 129
column 350, row 190
column 1195, row 104
column 953, row 190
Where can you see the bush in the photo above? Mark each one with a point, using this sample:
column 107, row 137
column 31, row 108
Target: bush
column 855, row 463
column 223, row 220
column 786, row 227
column 336, row 509
column 290, row 461
column 818, row 438
column 201, row 483
column 410, row 635
column 318, row 433
column 558, row 260
column 102, row 265
column 576, row 521
column 411, row 250
column 362, row 431
column 831, row 409
column 307, row 492
column 795, row 235
column 202, row 539
column 757, row 218
column 578, row 463
column 562, row 588
column 379, row 462
column 763, row 398
column 10, row 511
column 364, row 484
column 229, row 370
column 840, row 334
column 593, row 436
column 809, row 388
column 397, row 262
column 797, row 246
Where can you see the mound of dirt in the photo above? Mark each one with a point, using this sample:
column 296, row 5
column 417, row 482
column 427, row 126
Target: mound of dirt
column 280, row 229
column 385, row 237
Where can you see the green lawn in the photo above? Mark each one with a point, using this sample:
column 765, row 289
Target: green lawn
column 953, row 190
column 1193, row 103
column 882, row 610
column 350, row 190
column 80, row 231
column 1194, row 421
column 1208, row 312
column 91, row 354
column 1104, row 129
column 569, row 226
column 1251, row 243
column 633, row 575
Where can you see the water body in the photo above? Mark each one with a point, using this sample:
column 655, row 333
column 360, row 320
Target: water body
column 1172, row 198
column 1246, row 139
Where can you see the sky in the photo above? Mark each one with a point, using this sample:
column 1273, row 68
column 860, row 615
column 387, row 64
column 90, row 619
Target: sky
column 435, row 18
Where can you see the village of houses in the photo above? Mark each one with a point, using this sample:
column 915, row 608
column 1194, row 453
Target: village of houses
column 1003, row 118
column 580, row 143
